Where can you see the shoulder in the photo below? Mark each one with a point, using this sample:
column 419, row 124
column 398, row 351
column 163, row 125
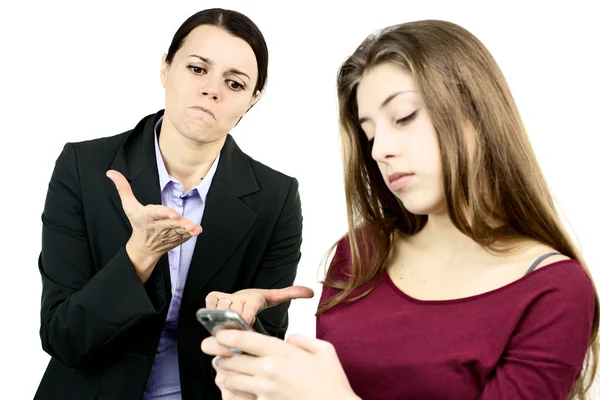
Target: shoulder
column 104, row 149
column 560, row 290
column 549, row 269
column 538, row 256
column 340, row 271
column 102, row 145
column 276, row 190
column 101, row 142
column 88, row 151
column 77, row 157
column 263, row 173
column 565, row 276
column 530, row 257
column 558, row 310
column 340, row 266
column 268, row 175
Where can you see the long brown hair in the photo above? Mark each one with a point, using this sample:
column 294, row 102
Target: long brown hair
column 495, row 194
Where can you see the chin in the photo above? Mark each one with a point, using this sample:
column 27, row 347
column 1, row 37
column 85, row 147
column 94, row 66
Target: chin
column 197, row 129
column 198, row 125
column 420, row 205
column 204, row 136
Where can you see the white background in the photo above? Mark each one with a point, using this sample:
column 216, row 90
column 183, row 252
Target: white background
column 76, row 71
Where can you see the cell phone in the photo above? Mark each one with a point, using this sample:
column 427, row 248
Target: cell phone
column 216, row 319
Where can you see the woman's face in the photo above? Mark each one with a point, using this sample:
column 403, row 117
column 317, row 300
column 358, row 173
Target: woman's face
column 404, row 140
column 209, row 84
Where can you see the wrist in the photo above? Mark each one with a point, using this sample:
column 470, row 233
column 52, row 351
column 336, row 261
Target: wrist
column 143, row 260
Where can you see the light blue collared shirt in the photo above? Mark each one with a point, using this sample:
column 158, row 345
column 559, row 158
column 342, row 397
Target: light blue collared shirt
column 163, row 382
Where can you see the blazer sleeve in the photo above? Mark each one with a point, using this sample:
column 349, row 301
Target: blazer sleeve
column 280, row 262
column 85, row 307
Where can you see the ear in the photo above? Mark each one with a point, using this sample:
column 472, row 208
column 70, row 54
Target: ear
column 164, row 70
column 254, row 100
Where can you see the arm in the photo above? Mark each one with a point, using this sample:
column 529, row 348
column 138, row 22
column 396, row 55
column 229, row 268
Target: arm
column 280, row 262
column 546, row 352
column 84, row 308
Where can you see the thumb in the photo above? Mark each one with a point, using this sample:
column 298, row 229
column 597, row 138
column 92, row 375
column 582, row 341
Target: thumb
column 128, row 200
column 276, row 296
column 260, row 299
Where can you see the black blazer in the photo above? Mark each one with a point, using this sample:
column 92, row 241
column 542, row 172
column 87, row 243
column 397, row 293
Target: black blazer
column 99, row 323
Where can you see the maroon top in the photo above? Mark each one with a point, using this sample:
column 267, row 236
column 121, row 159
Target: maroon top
column 526, row 340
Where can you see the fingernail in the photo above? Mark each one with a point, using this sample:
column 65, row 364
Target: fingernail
column 236, row 351
column 217, row 361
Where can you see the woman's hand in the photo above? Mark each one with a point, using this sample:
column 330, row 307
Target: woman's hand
column 156, row 229
column 299, row 368
column 249, row 302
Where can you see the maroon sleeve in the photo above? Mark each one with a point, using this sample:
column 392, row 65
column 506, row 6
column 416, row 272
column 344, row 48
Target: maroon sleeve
column 545, row 354
column 338, row 269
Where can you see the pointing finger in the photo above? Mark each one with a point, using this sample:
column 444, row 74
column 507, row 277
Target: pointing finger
column 276, row 296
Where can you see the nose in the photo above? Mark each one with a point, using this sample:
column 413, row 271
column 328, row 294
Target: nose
column 210, row 89
column 212, row 94
column 385, row 146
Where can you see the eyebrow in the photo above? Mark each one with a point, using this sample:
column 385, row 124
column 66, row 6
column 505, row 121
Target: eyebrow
column 385, row 103
column 231, row 70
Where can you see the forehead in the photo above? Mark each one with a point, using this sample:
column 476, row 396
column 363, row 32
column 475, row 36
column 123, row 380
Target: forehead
column 378, row 83
column 224, row 49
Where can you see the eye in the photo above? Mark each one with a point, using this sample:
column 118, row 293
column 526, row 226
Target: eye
column 196, row 70
column 233, row 85
column 407, row 119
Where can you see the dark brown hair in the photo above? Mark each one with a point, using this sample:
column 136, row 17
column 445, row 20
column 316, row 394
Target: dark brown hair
column 238, row 25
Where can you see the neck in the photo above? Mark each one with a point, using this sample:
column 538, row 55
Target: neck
column 186, row 160
column 441, row 236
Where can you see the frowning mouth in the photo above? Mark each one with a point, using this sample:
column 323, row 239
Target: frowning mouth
column 206, row 110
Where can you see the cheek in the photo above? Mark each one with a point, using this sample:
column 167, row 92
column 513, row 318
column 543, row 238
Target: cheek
column 427, row 150
column 435, row 171
column 434, row 162
column 179, row 90
column 235, row 107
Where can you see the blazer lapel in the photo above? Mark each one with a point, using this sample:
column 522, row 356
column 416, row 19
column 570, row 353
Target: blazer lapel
column 226, row 220
column 136, row 160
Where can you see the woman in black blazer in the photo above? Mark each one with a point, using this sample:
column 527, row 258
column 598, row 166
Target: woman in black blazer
column 127, row 261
